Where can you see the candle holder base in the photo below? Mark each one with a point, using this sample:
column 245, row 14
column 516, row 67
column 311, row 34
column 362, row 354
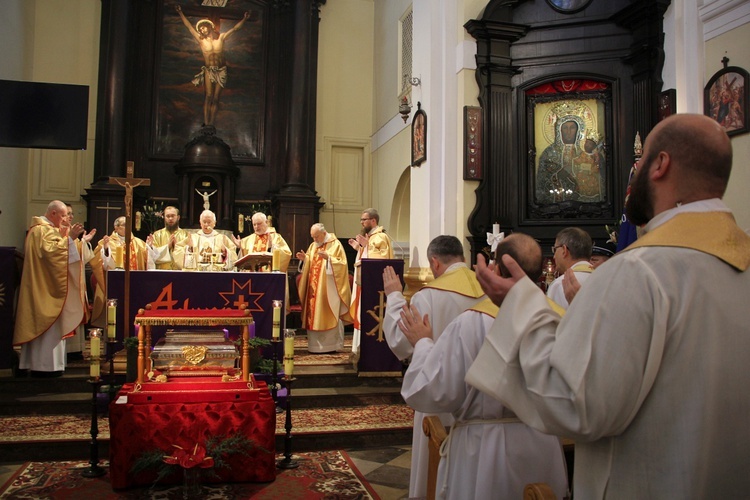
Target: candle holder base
column 287, row 463
column 93, row 471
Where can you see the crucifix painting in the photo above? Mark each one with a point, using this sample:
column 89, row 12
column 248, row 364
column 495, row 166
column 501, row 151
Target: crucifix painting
column 211, row 72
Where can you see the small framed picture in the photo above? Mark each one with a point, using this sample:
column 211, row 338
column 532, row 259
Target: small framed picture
column 667, row 103
column 419, row 137
column 725, row 99
column 472, row 143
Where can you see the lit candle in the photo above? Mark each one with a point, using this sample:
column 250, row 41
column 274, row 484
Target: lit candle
column 241, row 223
column 276, row 260
column 118, row 257
column 95, row 336
column 137, row 221
column 495, row 228
column 288, row 352
column 276, row 319
column 111, row 318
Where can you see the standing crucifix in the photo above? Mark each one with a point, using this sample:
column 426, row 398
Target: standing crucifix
column 128, row 182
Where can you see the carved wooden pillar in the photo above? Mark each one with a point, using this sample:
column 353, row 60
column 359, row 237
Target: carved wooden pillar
column 494, row 73
column 297, row 204
column 645, row 20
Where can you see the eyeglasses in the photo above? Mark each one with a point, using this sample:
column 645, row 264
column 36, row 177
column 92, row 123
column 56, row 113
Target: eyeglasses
column 366, row 218
column 555, row 247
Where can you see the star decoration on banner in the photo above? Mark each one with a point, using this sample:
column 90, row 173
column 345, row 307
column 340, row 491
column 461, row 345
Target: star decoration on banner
column 243, row 294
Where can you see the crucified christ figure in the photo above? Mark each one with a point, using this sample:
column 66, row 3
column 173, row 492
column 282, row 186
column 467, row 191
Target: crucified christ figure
column 213, row 74
column 206, row 195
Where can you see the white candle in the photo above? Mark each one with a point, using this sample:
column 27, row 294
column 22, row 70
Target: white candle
column 288, row 355
column 276, row 319
column 119, row 257
column 95, row 337
column 96, row 347
column 276, row 260
column 495, row 228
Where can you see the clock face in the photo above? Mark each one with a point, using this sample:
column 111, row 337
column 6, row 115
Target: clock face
column 568, row 6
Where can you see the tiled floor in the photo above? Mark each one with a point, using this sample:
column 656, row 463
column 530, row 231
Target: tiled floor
column 386, row 469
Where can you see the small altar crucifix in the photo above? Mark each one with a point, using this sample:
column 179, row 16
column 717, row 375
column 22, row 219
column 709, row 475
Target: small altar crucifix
column 128, row 182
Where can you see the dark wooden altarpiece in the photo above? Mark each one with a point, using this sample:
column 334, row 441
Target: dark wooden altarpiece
column 537, row 67
column 149, row 111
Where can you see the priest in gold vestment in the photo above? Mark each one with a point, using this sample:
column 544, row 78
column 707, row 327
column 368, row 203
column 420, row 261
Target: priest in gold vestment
column 51, row 299
column 264, row 239
column 371, row 243
column 324, row 291
column 168, row 247
column 208, row 246
column 110, row 254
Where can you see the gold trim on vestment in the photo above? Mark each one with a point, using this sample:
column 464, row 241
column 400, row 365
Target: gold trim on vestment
column 714, row 233
column 462, row 281
column 485, row 307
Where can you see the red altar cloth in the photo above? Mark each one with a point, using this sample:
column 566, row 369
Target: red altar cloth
column 140, row 427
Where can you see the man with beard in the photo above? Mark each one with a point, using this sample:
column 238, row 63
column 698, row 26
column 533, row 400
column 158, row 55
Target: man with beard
column 647, row 372
column 324, row 291
column 371, row 243
column 168, row 247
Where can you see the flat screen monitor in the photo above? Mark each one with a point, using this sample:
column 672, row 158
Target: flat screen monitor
column 43, row 115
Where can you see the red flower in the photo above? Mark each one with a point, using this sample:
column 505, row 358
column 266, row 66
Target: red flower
column 188, row 460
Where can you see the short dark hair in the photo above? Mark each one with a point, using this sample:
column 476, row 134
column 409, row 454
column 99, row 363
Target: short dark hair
column 445, row 246
column 577, row 241
column 525, row 250
column 372, row 213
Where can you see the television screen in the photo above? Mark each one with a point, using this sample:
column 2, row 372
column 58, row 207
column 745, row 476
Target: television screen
column 43, row 115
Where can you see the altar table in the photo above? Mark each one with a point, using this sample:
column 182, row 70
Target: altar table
column 137, row 427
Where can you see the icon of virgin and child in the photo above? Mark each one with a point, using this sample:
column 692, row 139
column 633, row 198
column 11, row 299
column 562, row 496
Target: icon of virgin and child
column 572, row 167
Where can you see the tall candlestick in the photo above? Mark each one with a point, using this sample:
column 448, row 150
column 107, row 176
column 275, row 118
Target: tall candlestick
column 276, row 319
column 111, row 318
column 276, row 259
column 288, row 352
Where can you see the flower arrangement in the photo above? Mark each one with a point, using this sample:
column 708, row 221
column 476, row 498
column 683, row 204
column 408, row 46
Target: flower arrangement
column 209, row 457
column 152, row 215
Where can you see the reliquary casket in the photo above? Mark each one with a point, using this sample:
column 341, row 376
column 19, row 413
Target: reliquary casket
column 194, row 352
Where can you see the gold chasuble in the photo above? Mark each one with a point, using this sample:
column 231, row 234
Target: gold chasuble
column 44, row 286
column 323, row 305
column 167, row 259
column 266, row 243
column 714, row 233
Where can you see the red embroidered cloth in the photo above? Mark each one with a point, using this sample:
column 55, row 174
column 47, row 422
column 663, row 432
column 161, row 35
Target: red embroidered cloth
column 138, row 428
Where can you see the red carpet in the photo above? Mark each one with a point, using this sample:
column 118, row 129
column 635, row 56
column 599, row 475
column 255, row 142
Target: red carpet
column 325, row 474
column 304, row 421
